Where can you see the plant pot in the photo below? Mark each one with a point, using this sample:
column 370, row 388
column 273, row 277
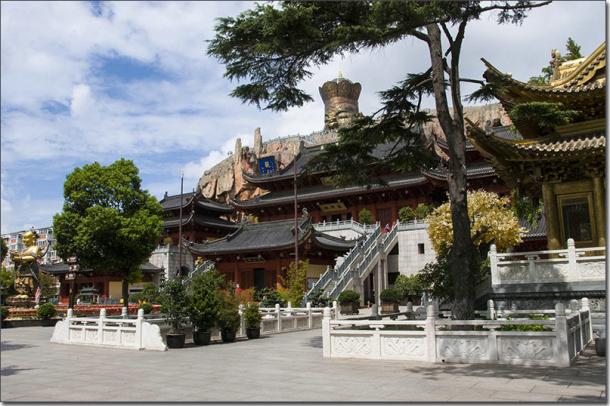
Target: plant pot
column 349, row 308
column 175, row 340
column 253, row 332
column 228, row 336
column 388, row 307
column 202, row 337
column 600, row 347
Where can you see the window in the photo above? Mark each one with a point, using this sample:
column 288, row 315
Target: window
column 421, row 248
column 575, row 216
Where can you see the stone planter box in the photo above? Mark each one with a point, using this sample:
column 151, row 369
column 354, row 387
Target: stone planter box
column 29, row 323
column 389, row 307
column 349, row 308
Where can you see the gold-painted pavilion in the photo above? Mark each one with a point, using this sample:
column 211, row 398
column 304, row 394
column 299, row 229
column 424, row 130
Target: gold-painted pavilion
column 564, row 165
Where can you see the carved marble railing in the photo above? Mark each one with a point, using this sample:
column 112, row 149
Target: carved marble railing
column 138, row 333
column 569, row 265
column 346, row 225
column 478, row 341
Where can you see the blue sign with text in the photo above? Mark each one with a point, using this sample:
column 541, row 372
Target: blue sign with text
column 266, row 165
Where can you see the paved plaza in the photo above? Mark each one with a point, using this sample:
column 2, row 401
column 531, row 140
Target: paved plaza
column 283, row 367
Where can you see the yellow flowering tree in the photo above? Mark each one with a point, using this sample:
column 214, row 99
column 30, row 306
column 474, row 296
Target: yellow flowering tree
column 491, row 221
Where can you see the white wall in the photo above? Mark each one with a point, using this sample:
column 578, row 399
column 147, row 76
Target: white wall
column 410, row 261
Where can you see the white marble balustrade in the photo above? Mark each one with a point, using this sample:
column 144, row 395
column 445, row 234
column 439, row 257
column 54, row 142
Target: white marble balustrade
column 442, row 340
column 551, row 266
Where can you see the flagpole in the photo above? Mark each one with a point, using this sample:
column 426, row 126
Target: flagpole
column 180, row 225
column 296, row 222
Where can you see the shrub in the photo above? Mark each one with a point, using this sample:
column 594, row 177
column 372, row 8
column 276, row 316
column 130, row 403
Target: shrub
column 252, row 316
column 228, row 319
column 245, row 296
column 150, row 294
column 174, row 303
column 318, row 299
column 406, row 214
column 409, row 286
column 46, row 311
column 205, row 299
column 422, row 211
column 147, row 307
column 365, row 216
column 3, row 312
column 391, row 295
column 349, row 296
column 268, row 297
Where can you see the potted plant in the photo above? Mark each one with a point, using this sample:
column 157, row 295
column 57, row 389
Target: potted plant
column 46, row 312
column 174, row 304
column 389, row 300
column 229, row 323
column 253, row 318
column 205, row 304
column 349, row 302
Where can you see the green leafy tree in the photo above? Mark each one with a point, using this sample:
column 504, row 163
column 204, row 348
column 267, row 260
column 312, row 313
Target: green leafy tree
column 295, row 282
column 175, row 303
column 108, row 222
column 365, row 216
column 205, row 299
column 273, row 47
column 3, row 249
column 422, row 211
column 7, row 283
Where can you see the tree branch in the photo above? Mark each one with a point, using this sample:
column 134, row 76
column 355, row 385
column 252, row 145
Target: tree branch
column 515, row 7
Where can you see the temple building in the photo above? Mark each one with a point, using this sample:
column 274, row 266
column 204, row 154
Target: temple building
column 563, row 164
column 259, row 183
column 258, row 254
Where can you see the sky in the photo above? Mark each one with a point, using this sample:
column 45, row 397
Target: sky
column 97, row 81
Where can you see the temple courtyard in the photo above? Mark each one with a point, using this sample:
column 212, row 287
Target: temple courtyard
column 282, row 367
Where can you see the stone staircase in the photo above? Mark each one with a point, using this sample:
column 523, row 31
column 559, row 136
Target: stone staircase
column 358, row 263
column 202, row 267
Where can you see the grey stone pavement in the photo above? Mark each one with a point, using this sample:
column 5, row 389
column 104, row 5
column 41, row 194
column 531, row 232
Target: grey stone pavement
column 283, row 367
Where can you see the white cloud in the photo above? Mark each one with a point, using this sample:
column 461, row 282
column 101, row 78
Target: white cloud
column 49, row 53
column 82, row 100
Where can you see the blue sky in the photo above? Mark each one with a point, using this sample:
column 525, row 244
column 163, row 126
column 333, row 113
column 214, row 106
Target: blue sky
column 96, row 81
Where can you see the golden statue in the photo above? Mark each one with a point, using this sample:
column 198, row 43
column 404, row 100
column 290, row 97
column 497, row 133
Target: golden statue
column 26, row 265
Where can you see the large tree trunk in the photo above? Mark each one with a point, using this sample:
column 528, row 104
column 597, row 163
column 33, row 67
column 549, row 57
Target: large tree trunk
column 463, row 255
column 125, row 292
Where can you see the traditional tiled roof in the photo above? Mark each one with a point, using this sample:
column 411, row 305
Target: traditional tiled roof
column 268, row 236
column 202, row 220
column 173, row 203
column 62, row 268
column 547, row 148
column 328, row 191
column 536, row 232
column 473, row 171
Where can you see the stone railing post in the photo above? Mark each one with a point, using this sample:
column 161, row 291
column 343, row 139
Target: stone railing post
column 493, row 265
column 309, row 316
column 124, row 312
column 491, row 312
column 584, row 307
column 326, row 332
column 335, row 310
column 573, row 274
column 278, row 313
column 242, row 321
column 139, row 329
column 409, row 307
column 100, row 327
column 69, row 317
column 561, row 336
column 430, row 333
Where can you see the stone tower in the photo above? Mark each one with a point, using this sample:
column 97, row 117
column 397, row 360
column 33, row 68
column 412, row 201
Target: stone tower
column 340, row 98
